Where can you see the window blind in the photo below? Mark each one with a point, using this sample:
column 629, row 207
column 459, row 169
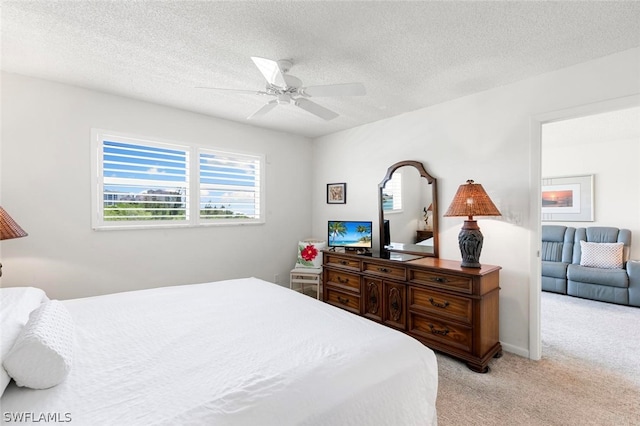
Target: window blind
column 141, row 182
column 145, row 183
column 229, row 186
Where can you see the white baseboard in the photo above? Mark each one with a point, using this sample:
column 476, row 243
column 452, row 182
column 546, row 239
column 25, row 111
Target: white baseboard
column 523, row 352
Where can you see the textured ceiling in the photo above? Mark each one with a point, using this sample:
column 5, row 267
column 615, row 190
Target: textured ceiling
column 409, row 55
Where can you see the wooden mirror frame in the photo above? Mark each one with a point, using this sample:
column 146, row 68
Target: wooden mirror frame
column 434, row 188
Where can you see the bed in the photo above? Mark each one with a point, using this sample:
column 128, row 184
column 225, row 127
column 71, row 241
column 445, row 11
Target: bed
column 234, row 352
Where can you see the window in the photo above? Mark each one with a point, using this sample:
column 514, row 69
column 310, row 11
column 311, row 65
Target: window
column 392, row 194
column 144, row 183
column 229, row 186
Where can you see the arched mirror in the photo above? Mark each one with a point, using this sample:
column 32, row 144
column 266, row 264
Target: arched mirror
column 408, row 206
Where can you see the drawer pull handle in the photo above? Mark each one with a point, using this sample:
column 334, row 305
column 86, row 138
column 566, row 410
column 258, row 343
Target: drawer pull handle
column 343, row 280
column 385, row 270
column 442, row 332
column 344, row 262
column 438, row 280
column 438, row 305
column 343, row 300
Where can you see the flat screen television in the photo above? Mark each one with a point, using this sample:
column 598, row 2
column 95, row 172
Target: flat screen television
column 354, row 235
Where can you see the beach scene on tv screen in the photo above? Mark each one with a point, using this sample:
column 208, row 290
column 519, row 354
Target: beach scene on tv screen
column 350, row 234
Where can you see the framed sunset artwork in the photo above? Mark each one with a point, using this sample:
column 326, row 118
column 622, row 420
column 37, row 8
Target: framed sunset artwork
column 567, row 199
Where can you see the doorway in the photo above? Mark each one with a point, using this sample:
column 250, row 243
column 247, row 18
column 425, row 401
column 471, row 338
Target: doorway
column 576, row 128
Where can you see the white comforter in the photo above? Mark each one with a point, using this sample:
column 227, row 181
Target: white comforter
column 237, row 352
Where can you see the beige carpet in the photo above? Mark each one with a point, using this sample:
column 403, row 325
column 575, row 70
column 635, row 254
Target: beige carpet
column 589, row 373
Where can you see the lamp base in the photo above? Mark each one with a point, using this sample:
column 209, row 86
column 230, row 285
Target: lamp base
column 470, row 241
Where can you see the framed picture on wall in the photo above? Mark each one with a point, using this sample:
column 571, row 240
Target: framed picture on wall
column 336, row 193
column 567, row 199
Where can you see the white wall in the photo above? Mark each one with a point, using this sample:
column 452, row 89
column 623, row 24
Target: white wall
column 45, row 171
column 607, row 146
column 486, row 137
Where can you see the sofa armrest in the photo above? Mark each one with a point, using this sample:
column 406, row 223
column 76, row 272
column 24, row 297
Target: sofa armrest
column 633, row 270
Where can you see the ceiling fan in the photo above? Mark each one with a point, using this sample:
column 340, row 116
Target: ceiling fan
column 287, row 89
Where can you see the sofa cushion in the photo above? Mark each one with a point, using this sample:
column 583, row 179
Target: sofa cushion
column 555, row 285
column 554, row 269
column 602, row 293
column 552, row 251
column 553, row 232
column 601, row 234
column 608, row 277
column 601, row 255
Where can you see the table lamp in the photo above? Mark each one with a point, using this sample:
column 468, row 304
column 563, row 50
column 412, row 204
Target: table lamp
column 471, row 200
column 9, row 229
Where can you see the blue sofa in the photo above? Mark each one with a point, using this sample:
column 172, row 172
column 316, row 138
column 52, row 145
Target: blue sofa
column 565, row 271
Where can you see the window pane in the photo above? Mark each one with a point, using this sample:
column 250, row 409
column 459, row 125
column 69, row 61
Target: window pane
column 229, row 186
column 392, row 193
column 142, row 182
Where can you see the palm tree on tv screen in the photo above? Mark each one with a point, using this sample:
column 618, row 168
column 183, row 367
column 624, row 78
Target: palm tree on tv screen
column 366, row 230
column 337, row 228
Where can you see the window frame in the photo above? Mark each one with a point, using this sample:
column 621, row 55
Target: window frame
column 260, row 158
column 397, row 188
column 193, row 151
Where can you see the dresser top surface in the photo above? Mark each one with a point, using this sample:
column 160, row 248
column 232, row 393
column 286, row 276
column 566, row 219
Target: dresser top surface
column 427, row 262
column 452, row 265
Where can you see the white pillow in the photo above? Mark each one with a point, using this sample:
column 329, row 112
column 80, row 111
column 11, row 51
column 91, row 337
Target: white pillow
column 601, row 255
column 310, row 254
column 16, row 303
column 42, row 354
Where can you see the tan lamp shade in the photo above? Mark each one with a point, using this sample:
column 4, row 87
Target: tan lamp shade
column 472, row 200
column 9, row 228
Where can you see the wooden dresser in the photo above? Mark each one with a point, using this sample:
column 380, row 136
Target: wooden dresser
column 448, row 308
column 423, row 235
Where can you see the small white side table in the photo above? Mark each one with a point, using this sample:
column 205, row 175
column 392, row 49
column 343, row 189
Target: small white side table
column 306, row 276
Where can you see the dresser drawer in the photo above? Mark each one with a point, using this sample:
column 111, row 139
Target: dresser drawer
column 348, row 301
column 342, row 279
column 444, row 281
column 341, row 262
column 433, row 302
column 440, row 331
column 385, row 270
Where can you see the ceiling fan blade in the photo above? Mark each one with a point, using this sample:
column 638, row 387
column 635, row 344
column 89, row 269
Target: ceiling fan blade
column 244, row 92
column 346, row 89
column 270, row 70
column 265, row 109
column 315, row 109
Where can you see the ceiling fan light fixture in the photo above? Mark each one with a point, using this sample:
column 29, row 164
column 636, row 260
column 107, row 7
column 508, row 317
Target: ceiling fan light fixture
column 284, row 64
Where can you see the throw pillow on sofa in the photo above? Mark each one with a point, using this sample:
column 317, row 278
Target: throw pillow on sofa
column 601, row 255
